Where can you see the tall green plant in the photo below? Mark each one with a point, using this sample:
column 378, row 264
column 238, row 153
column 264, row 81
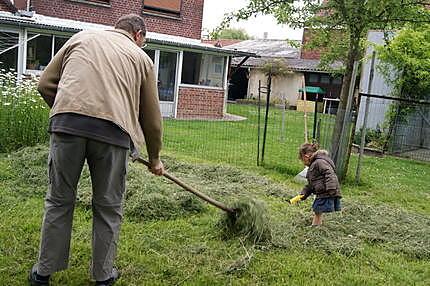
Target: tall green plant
column 276, row 67
column 404, row 63
column 408, row 54
column 23, row 114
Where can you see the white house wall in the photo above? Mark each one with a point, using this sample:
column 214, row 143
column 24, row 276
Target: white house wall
column 380, row 86
column 285, row 87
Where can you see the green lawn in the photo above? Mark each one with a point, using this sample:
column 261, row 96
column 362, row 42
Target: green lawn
column 382, row 236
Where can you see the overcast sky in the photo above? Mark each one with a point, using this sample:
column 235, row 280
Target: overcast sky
column 214, row 10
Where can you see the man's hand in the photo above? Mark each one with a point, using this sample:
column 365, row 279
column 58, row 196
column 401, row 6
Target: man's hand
column 157, row 168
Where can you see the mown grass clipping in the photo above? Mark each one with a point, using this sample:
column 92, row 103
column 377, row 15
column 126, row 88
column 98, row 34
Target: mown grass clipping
column 346, row 233
column 249, row 220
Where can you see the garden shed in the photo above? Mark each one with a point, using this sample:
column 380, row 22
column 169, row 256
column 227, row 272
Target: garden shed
column 284, row 87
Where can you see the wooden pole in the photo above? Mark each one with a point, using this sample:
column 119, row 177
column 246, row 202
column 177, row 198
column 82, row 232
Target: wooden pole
column 305, row 107
column 190, row 189
column 315, row 118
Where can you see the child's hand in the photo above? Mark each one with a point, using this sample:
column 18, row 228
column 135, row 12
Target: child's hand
column 296, row 199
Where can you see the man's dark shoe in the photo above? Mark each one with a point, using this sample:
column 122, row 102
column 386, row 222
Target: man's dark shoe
column 35, row 279
column 114, row 277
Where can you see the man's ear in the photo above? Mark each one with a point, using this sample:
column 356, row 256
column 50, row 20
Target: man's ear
column 135, row 35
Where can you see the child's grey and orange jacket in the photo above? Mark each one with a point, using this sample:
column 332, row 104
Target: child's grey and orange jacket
column 124, row 93
column 322, row 178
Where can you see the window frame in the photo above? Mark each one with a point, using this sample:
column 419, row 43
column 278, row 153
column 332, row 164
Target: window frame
column 17, row 46
column 36, row 33
column 325, row 79
column 163, row 12
column 101, row 3
column 208, row 69
column 313, row 76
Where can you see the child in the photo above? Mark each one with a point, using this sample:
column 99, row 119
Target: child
column 322, row 181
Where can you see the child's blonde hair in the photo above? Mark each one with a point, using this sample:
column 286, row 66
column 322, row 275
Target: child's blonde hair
column 307, row 148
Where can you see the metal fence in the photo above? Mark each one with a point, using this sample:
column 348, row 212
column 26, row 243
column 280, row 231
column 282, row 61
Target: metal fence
column 238, row 138
column 395, row 126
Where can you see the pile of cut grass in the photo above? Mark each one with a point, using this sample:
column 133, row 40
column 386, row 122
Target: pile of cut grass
column 154, row 198
column 348, row 232
column 147, row 197
column 250, row 221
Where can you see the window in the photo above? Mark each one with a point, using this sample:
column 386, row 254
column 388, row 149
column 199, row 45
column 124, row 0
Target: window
column 202, row 69
column 95, row 2
column 164, row 6
column 8, row 51
column 39, row 51
column 337, row 80
column 325, row 79
column 59, row 43
column 151, row 54
column 166, row 76
column 314, row 78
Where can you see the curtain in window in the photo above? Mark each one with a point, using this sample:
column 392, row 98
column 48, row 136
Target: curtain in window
column 166, row 5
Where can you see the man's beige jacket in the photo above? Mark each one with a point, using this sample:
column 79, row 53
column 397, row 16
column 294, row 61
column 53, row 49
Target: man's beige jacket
column 104, row 74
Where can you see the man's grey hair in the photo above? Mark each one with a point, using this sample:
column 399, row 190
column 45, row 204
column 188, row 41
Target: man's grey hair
column 131, row 23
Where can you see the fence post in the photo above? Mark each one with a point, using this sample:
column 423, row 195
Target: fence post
column 366, row 114
column 269, row 84
column 315, row 118
column 318, row 133
column 259, row 108
column 305, row 109
column 284, row 101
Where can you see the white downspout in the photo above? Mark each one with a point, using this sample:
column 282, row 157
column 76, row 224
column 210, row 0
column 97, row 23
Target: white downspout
column 227, row 64
column 180, row 59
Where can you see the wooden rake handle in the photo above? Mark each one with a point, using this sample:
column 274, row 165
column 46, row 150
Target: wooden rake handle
column 189, row 188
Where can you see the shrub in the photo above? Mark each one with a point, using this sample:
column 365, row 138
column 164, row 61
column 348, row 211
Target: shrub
column 375, row 138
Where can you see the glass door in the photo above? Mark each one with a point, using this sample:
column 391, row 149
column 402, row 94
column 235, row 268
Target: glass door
column 167, row 76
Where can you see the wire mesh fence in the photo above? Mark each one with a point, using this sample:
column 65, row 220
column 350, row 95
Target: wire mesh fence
column 238, row 139
column 395, row 126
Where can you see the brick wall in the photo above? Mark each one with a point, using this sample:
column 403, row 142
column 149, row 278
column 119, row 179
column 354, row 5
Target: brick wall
column 200, row 103
column 6, row 5
column 189, row 24
column 310, row 54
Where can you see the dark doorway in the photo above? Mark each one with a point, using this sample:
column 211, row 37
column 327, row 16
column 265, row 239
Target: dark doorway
column 238, row 85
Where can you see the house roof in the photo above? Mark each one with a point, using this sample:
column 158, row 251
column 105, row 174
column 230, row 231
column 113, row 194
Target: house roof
column 279, row 50
column 72, row 26
column 222, row 42
column 267, row 48
column 293, row 64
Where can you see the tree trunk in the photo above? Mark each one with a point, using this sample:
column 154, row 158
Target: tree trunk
column 353, row 55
